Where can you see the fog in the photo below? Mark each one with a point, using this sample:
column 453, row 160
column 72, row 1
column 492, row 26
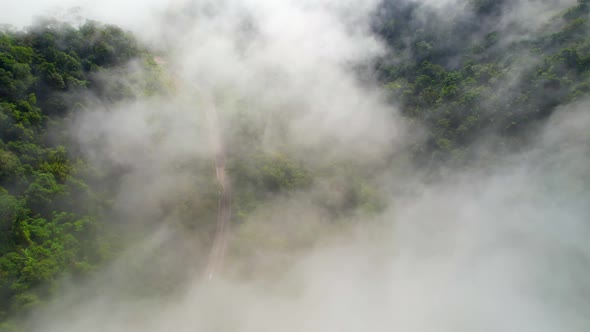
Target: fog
column 501, row 246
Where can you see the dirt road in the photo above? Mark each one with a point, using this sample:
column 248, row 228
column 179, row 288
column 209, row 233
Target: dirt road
column 220, row 240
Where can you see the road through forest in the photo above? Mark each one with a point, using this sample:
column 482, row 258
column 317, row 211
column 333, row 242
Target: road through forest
column 220, row 240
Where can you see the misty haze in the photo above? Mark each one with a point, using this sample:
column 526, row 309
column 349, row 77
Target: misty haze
column 295, row 165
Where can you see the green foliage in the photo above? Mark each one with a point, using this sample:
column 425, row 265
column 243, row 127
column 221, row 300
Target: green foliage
column 461, row 86
column 257, row 176
column 54, row 206
column 50, row 218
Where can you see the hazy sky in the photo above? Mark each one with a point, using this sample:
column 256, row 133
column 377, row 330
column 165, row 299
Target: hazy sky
column 22, row 13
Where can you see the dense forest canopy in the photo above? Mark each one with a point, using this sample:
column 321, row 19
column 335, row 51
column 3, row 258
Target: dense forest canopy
column 52, row 214
column 472, row 74
column 477, row 83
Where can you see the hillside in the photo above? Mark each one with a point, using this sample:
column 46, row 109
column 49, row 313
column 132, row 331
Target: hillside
column 107, row 161
column 470, row 74
column 54, row 204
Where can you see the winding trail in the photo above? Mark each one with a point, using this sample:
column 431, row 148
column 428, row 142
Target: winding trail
column 220, row 241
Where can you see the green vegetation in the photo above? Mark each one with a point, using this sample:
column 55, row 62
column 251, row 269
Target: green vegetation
column 56, row 210
column 467, row 75
column 462, row 77
column 52, row 218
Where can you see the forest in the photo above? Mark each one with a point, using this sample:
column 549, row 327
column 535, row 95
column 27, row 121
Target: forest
column 53, row 210
column 461, row 77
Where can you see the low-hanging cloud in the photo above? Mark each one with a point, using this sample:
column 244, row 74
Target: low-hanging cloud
column 500, row 247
